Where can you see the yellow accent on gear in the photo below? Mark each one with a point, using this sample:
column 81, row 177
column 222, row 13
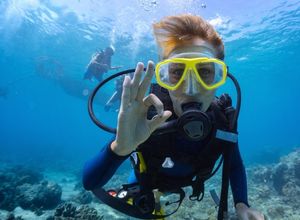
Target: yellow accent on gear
column 142, row 164
column 159, row 212
column 130, row 201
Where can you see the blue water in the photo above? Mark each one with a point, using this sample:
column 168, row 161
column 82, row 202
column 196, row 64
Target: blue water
column 43, row 124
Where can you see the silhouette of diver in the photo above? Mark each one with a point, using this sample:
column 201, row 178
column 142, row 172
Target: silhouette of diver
column 100, row 64
column 116, row 95
column 51, row 69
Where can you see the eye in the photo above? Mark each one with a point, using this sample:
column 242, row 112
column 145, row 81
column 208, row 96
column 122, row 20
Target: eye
column 205, row 72
column 177, row 72
column 176, row 69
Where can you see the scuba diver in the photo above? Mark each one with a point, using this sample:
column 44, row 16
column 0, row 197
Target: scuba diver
column 116, row 96
column 100, row 64
column 174, row 136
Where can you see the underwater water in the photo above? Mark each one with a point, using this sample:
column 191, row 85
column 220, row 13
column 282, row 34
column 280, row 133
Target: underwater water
column 45, row 47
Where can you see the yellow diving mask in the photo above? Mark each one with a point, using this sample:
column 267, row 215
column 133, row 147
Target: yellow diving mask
column 209, row 72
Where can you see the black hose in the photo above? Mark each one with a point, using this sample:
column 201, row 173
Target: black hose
column 238, row 102
column 114, row 130
column 92, row 96
column 223, row 205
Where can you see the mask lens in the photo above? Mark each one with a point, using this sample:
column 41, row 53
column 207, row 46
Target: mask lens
column 170, row 73
column 211, row 73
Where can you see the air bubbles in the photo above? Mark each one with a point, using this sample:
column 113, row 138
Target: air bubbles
column 85, row 92
column 148, row 5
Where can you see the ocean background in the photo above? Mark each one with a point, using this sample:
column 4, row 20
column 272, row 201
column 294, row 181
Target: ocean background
column 45, row 47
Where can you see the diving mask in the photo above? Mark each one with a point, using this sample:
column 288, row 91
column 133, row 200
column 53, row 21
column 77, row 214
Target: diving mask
column 210, row 73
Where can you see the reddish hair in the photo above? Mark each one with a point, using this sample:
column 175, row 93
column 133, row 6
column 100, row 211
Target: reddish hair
column 177, row 31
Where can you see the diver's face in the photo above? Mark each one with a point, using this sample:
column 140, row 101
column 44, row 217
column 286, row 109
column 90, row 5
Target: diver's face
column 190, row 90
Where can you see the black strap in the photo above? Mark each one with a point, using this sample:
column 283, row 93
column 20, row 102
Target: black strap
column 181, row 197
column 198, row 189
column 223, row 204
column 228, row 147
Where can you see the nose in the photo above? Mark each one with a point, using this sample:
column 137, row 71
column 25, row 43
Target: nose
column 191, row 84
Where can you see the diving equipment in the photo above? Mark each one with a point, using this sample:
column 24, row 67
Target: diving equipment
column 209, row 72
column 191, row 130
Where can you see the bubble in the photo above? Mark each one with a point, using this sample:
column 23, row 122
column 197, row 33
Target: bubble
column 85, row 92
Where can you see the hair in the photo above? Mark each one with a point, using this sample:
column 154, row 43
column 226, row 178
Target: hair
column 173, row 32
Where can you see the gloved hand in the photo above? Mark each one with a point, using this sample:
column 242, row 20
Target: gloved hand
column 133, row 126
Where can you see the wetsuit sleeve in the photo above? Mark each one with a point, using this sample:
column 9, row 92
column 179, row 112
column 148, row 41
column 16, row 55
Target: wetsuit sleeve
column 238, row 179
column 98, row 170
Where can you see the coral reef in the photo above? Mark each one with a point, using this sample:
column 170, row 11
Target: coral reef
column 44, row 195
column 72, row 211
column 65, row 210
column 26, row 188
column 286, row 178
column 84, row 197
column 11, row 216
column 274, row 189
column 10, row 179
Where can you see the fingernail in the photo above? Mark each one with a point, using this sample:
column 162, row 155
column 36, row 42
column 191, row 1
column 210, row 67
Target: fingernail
column 140, row 64
column 151, row 64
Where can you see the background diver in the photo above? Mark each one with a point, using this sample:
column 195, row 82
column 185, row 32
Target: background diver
column 191, row 69
column 116, row 96
column 100, row 63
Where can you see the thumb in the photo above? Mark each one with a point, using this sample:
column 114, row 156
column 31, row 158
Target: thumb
column 157, row 120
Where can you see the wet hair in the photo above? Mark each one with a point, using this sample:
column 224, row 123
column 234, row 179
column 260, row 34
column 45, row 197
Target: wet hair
column 173, row 32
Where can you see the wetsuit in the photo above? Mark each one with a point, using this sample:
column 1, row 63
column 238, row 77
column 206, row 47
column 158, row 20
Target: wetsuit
column 99, row 65
column 101, row 168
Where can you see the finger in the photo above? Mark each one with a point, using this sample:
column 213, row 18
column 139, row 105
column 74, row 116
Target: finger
column 125, row 100
column 152, row 99
column 156, row 121
column 136, row 80
column 146, row 81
